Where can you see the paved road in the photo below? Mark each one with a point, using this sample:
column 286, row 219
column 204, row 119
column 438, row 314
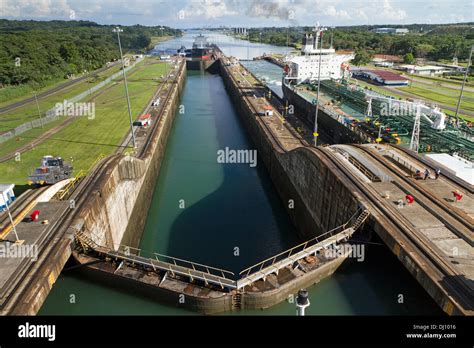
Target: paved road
column 51, row 91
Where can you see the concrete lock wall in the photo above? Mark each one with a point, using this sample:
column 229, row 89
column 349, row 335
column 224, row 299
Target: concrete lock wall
column 116, row 213
column 321, row 203
column 269, row 298
column 331, row 127
column 178, row 299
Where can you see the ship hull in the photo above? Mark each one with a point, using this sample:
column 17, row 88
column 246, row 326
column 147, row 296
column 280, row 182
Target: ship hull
column 331, row 129
column 199, row 64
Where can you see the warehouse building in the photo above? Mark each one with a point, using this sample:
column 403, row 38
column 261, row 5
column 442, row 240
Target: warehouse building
column 381, row 77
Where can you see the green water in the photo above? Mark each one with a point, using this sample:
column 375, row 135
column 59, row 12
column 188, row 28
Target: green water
column 232, row 217
column 229, row 206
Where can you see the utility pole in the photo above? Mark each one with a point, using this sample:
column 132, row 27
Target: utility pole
column 463, row 83
column 18, row 241
column 118, row 31
column 39, row 112
column 318, row 31
column 415, row 136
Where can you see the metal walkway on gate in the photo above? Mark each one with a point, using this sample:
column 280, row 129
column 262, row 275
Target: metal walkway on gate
column 221, row 277
column 289, row 257
column 155, row 261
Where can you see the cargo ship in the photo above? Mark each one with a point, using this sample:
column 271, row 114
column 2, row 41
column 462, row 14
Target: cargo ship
column 201, row 56
column 300, row 77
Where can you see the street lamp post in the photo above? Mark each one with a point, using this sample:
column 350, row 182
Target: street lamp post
column 315, row 131
column 118, row 31
column 39, row 112
column 463, row 83
column 12, row 222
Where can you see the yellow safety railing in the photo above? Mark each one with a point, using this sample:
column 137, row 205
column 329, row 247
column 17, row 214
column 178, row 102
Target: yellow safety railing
column 61, row 194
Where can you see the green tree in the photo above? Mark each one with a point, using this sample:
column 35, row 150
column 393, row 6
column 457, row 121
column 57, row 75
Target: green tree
column 69, row 52
column 423, row 50
column 362, row 57
column 408, row 58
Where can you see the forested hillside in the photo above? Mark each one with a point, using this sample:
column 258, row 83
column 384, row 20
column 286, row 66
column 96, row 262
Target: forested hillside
column 434, row 42
column 33, row 52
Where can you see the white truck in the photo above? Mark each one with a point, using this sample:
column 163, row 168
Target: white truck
column 156, row 102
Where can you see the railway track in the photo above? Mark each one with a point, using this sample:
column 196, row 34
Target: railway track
column 420, row 250
column 51, row 240
column 163, row 104
column 36, row 141
column 276, row 140
column 54, row 90
column 442, row 267
column 48, row 245
column 455, row 219
column 455, row 181
column 20, row 208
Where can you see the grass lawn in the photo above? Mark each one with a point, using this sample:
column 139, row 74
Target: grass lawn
column 84, row 140
column 28, row 112
column 12, row 94
column 426, row 92
column 440, row 94
column 453, row 82
column 24, row 138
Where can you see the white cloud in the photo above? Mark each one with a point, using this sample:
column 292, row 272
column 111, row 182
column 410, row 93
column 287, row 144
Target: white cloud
column 391, row 13
column 37, row 8
column 360, row 14
column 242, row 12
column 208, row 9
column 331, row 11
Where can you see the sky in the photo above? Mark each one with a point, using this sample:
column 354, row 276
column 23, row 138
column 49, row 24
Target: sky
column 245, row 13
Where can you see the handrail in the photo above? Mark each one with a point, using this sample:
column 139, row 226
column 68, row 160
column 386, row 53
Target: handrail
column 304, row 244
column 356, row 163
column 173, row 267
column 71, row 184
column 174, row 259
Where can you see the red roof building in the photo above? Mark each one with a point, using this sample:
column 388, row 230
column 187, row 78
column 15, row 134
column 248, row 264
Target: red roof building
column 381, row 77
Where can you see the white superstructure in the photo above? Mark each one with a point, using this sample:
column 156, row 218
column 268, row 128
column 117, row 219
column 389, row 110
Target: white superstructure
column 305, row 67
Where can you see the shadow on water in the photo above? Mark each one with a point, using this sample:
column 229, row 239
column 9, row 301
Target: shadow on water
column 230, row 206
column 245, row 211
column 380, row 285
column 242, row 221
